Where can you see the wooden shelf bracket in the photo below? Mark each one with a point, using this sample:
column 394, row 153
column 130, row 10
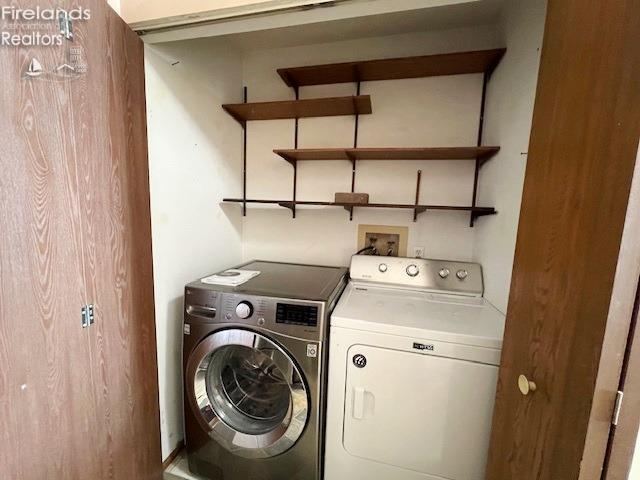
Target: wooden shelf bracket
column 244, row 158
column 418, row 209
column 355, row 145
column 296, row 89
column 473, row 215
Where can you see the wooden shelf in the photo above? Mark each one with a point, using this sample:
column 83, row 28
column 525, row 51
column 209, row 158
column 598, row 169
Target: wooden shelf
column 481, row 61
column 476, row 211
column 421, row 153
column 393, row 68
column 313, row 107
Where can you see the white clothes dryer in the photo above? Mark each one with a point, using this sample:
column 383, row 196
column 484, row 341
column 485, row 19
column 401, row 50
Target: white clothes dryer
column 413, row 365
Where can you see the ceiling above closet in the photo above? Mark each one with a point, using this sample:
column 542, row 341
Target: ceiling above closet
column 347, row 19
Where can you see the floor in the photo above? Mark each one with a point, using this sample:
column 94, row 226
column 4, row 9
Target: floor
column 178, row 470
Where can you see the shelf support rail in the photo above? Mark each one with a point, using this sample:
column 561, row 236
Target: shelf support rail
column 479, row 161
column 295, row 164
column 244, row 158
column 418, row 209
column 355, row 145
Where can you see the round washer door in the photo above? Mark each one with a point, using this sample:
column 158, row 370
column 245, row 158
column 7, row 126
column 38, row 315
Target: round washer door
column 247, row 393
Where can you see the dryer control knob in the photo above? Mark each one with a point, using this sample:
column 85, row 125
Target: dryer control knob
column 462, row 274
column 444, row 272
column 382, row 267
column 244, row 310
column 413, row 270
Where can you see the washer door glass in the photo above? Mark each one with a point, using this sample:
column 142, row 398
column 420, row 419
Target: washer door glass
column 247, row 389
column 247, row 393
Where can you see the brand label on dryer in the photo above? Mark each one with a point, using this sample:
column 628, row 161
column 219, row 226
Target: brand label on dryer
column 312, row 350
column 423, row 346
column 187, row 329
column 360, row 360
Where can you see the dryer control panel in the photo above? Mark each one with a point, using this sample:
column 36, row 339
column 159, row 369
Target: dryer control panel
column 436, row 276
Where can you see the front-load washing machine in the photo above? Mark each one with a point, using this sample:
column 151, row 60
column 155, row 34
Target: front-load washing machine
column 254, row 370
column 413, row 367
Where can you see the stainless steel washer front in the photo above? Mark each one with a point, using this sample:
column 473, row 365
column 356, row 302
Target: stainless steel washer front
column 247, row 393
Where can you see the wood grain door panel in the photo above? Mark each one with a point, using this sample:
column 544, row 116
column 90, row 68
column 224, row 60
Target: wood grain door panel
column 46, row 401
column 582, row 152
column 77, row 403
column 119, row 263
column 121, row 280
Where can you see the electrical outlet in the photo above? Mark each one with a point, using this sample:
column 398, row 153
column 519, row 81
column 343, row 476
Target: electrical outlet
column 418, row 252
column 383, row 240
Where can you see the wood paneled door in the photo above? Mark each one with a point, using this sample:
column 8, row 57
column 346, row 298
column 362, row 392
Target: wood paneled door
column 76, row 403
column 573, row 282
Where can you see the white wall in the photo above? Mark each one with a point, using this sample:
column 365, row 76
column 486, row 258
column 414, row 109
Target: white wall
column 437, row 111
column 508, row 114
column 194, row 160
column 116, row 5
column 634, row 474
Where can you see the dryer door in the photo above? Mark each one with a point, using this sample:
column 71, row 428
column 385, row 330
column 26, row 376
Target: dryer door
column 419, row 412
column 247, row 392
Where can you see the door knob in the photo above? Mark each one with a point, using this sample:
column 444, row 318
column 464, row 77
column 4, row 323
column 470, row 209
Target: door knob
column 525, row 385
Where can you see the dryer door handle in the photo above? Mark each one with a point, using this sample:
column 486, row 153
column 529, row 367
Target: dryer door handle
column 358, row 403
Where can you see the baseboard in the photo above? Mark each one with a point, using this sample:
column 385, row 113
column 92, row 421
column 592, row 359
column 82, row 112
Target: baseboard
column 172, row 456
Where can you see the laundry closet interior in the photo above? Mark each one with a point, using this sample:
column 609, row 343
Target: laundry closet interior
column 197, row 149
column 319, row 239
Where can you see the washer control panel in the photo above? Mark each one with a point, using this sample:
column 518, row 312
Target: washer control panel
column 444, row 276
column 298, row 318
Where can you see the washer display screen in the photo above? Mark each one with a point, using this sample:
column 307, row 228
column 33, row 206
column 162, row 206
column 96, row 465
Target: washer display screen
column 290, row 314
